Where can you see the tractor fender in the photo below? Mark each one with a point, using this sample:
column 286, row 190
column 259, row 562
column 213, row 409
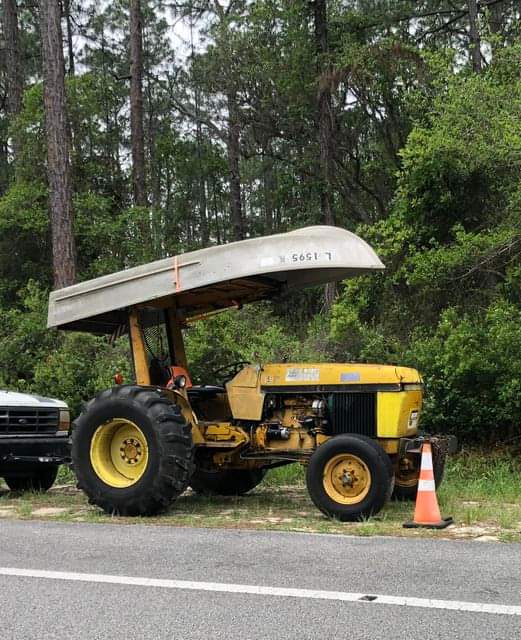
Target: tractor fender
column 181, row 400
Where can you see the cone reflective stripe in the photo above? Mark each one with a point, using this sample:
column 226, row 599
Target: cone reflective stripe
column 427, row 511
column 426, row 485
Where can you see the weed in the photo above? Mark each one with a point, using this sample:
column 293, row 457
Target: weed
column 25, row 509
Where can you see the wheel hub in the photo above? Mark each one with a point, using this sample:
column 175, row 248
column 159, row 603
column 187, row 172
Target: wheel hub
column 131, row 450
column 347, row 479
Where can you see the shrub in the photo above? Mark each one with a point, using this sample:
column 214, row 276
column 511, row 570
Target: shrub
column 472, row 368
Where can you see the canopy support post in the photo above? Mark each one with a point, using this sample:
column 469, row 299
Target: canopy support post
column 138, row 349
column 176, row 336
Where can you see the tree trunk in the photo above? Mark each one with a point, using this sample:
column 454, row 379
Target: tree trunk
column 216, row 211
column 325, row 122
column 475, row 40
column 70, row 48
column 136, row 104
column 269, row 191
column 58, row 145
column 233, row 149
column 324, row 111
column 202, row 197
column 496, row 25
column 496, row 18
column 154, row 174
column 203, row 212
column 12, row 60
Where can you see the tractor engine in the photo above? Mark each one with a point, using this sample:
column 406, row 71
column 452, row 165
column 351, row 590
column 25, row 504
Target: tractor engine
column 290, row 423
column 294, row 408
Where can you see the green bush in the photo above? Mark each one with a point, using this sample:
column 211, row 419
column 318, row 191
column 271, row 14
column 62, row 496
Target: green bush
column 472, row 368
column 69, row 366
column 253, row 334
column 80, row 367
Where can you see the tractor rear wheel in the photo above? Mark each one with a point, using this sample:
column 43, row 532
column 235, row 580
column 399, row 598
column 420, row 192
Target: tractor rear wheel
column 40, row 479
column 229, row 482
column 132, row 451
column 350, row 477
column 408, row 473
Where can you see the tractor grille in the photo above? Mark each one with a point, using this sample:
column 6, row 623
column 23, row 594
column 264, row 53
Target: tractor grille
column 28, row 420
column 353, row 413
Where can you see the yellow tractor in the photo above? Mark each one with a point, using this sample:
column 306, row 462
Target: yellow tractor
column 137, row 447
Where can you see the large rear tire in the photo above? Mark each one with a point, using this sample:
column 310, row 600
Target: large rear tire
column 40, row 479
column 406, row 478
column 350, row 477
column 132, row 451
column 229, row 482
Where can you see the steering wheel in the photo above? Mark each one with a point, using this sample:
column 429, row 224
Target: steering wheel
column 228, row 371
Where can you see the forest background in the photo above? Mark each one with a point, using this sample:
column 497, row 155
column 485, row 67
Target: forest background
column 187, row 124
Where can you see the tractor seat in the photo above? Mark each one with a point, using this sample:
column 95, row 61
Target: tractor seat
column 205, row 390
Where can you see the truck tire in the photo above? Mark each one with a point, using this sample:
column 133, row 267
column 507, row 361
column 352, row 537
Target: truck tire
column 406, row 487
column 230, row 482
column 40, row 479
column 132, row 451
column 350, row 477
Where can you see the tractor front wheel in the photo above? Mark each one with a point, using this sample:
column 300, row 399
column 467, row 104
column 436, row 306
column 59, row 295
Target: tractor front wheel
column 350, row 477
column 132, row 451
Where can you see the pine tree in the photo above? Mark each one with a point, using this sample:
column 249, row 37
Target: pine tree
column 58, row 145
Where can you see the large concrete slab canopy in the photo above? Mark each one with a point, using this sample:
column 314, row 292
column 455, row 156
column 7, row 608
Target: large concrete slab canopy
column 215, row 278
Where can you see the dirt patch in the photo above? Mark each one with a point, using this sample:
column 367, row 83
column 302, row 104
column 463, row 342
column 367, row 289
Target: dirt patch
column 64, row 490
column 478, row 531
column 48, row 511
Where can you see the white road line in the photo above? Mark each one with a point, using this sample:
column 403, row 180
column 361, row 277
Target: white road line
column 284, row 592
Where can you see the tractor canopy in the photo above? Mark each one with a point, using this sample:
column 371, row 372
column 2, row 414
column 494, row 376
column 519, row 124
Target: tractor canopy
column 213, row 279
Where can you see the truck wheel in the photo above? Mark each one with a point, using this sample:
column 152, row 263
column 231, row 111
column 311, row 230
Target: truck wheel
column 40, row 479
column 231, row 482
column 132, row 451
column 350, row 477
column 406, row 478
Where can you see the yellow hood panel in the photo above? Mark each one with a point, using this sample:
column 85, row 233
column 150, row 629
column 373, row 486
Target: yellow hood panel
column 292, row 374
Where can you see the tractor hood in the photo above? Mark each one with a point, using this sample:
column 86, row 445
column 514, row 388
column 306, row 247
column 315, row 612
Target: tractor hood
column 330, row 376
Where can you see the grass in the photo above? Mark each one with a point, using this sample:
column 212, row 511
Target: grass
column 482, row 491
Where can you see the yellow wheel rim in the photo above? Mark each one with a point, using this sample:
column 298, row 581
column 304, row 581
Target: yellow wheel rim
column 347, row 479
column 119, row 453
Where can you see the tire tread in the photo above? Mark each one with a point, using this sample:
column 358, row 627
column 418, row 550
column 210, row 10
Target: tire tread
column 176, row 452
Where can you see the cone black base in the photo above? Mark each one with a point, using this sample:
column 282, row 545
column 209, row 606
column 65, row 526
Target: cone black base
column 436, row 525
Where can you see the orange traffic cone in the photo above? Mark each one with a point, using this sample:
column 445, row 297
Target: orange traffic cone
column 426, row 511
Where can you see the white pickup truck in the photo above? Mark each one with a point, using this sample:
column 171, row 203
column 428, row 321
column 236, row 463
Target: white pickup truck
column 34, row 440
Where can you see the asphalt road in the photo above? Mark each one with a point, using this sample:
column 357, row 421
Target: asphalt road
column 104, row 592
